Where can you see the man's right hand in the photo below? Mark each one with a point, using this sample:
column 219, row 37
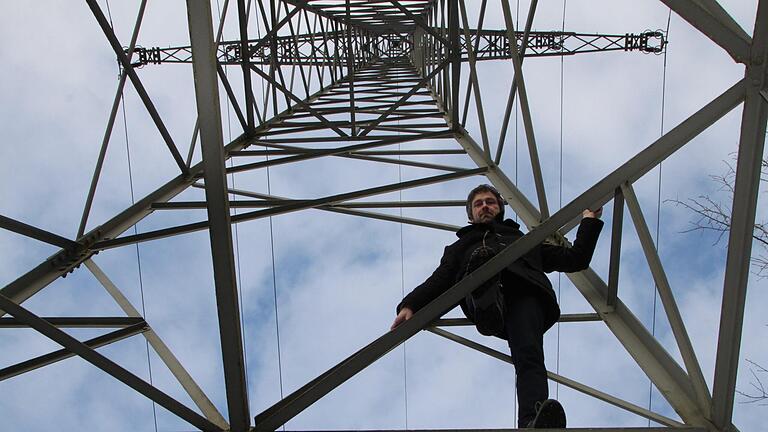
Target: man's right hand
column 404, row 315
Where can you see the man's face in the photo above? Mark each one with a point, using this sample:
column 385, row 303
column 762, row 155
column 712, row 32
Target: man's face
column 485, row 207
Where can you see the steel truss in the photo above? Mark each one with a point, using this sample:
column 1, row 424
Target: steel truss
column 302, row 49
column 372, row 75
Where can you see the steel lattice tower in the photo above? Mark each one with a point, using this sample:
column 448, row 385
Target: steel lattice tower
column 355, row 80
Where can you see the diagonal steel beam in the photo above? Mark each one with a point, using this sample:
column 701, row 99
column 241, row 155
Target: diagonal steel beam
column 712, row 20
column 118, row 49
column 526, row 111
column 245, row 60
column 37, row 233
column 513, row 87
column 420, row 22
column 110, row 124
column 667, row 299
column 300, row 102
column 186, row 381
column 211, row 142
column 475, row 82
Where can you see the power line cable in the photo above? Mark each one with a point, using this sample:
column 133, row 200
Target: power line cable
column 658, row 199
column 272, row 252
column 135, row 226
column 560, row 275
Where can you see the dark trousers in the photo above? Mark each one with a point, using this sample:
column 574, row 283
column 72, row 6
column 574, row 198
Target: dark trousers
column 525, row 326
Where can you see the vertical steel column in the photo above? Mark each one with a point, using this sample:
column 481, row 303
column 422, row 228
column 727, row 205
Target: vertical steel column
column 350, row 73
column 455, row 50
column 207, row 97
column 274, row 61
column 745, row 194
column 245, row 59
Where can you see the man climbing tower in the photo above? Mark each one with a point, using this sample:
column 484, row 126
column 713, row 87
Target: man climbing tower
column 518, row 304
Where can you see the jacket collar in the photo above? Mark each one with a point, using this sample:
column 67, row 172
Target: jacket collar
column 507, row 224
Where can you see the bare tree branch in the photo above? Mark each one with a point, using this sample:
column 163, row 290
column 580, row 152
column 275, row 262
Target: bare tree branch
column 713, row 215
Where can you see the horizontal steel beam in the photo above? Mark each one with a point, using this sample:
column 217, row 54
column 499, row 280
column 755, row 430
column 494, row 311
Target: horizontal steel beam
column 56, row 356
column 287, row 208
column 77, row 322
column 460, row 322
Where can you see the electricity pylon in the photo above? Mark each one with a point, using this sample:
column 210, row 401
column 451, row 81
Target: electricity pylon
column 373, row 74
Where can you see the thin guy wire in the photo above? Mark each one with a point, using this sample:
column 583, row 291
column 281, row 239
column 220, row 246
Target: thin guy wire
column 135, row 226
column 658, row 200
column 402, row 275
column 560, row 275
column 272, row 250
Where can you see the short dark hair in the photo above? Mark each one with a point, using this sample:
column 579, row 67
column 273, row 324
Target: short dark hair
column 485, row 188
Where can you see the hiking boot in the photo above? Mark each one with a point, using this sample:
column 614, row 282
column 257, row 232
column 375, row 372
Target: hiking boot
column 549, row 414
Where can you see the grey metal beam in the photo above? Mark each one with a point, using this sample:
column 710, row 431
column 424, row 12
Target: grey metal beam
column 458, row 322
column 454, row 54
column 667, row 299
column 575, row 385
column 475, row 83
column 348, row 205
column 106, row 365
column 242, row 14
column 118, row 49
column 420, row 22
column 526, row 111
column 348, row 208
column 287, row 208
column 186, row 381
column 745, row 195
column 78, row 322
column 211, row 142
column 313, row 154
column 37, row 233
column 56, row 356
column 712, row 20
column 615, row 260
column 513, row 87
column 110, row 123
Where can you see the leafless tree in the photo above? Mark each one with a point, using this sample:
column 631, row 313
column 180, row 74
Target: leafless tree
column 711, row 214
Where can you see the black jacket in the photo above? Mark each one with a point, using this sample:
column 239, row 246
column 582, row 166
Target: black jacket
column 528, row 270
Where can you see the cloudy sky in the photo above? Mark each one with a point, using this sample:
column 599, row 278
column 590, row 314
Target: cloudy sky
column 330, row 282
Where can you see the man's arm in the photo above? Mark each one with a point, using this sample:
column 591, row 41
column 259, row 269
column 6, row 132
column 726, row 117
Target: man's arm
column 577, row 257
column 440, row 280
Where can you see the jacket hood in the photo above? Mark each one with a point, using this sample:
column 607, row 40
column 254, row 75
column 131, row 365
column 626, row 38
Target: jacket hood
column 506, row 224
